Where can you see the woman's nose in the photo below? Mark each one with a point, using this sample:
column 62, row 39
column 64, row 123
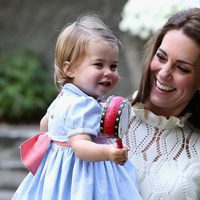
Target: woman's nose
column 165, row 71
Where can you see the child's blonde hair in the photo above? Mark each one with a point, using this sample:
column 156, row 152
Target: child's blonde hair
column 72, row 43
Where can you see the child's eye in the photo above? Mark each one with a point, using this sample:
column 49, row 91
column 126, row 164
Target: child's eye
column 113, row 67
column 98, row 65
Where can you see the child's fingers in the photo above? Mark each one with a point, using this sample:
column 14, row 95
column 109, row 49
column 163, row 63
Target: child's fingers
column 126, row 147
column 123, row 161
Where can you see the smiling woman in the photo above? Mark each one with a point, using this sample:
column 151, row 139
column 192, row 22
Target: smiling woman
column 164, row 133
column 175, row 74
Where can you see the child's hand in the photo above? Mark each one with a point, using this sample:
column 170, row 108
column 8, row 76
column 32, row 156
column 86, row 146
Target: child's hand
column 118, row 155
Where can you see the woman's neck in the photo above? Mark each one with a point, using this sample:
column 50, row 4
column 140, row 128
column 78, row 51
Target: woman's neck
column 163, row 111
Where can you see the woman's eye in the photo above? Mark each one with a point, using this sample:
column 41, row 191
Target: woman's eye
column 183, row 69
column 160, row 57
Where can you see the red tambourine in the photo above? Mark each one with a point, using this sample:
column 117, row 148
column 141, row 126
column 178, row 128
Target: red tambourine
column 115, row 118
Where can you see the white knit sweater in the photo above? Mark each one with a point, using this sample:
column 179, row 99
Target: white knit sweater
column 166, row 154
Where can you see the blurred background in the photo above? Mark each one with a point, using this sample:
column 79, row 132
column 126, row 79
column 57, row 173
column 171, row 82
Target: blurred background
column 28, row 33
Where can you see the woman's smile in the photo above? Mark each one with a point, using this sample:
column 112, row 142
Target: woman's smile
column 163, row 87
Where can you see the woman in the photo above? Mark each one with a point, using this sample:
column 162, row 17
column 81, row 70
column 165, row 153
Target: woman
column 164, row 133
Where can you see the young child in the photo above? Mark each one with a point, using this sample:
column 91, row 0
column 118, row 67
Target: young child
column 73, row 160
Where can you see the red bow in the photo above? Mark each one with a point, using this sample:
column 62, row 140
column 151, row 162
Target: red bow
column 33, row 150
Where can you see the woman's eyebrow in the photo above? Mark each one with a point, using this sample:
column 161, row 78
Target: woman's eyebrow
column 179, row 60
column 162, row 51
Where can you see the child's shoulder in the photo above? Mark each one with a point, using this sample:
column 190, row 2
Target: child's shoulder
column 85, row 101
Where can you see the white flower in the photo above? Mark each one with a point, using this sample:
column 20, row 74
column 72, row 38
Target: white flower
column 143, row 17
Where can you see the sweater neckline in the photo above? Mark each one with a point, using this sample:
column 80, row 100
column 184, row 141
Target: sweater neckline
column 158, row 121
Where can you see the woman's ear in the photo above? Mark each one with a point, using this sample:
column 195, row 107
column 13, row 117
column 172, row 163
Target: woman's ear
column 66, row 68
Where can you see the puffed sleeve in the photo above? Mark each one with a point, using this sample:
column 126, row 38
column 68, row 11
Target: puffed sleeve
column 83, row 117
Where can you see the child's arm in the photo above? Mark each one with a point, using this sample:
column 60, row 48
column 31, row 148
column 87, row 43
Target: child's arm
column 44, row 124
column 87, row 150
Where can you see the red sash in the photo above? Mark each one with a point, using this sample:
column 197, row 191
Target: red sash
column 33, row 150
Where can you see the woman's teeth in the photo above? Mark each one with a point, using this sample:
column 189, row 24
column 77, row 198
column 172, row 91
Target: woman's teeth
column 164, row 87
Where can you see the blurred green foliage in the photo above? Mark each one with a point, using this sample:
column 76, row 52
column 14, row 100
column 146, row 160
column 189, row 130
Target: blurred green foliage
column 25, row 87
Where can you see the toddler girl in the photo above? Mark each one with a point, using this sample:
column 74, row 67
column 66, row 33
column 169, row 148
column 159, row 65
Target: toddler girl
column 73, row 160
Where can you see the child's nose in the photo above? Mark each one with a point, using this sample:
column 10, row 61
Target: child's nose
column 108, row 71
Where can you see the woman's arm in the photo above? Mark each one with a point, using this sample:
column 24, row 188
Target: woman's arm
column 87, row 150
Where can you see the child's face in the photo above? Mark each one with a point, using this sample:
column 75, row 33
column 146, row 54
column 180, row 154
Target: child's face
column 97, row 73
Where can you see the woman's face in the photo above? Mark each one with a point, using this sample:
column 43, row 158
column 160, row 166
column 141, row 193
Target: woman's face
column 175, row 73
